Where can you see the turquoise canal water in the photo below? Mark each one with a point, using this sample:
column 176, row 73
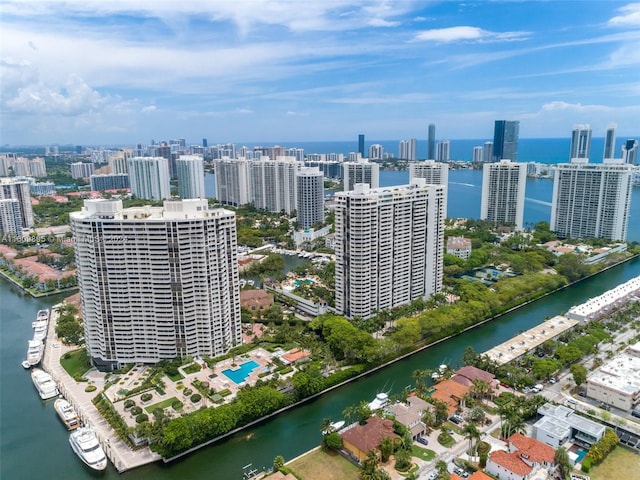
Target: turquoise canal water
column 33, row 443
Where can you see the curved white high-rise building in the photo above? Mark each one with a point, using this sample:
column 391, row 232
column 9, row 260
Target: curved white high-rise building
column 156, row 282
column 310, row 196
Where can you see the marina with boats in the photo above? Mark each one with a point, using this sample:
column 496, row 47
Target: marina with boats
column 35, row 346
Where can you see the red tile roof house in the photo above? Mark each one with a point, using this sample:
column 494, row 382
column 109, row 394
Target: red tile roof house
column 361, row 439
column 523, row 459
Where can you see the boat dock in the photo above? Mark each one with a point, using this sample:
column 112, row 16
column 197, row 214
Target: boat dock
column 121, row 455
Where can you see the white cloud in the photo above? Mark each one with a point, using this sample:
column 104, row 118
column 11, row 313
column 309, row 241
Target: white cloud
column 149, row 109
column 372, row 99
column 467, row 33
column 629, row 16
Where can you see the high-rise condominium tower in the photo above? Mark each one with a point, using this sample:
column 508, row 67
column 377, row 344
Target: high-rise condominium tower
column 435, row 173
column 503, row 186
column 442, row 154
column 407, row 149
column 12, row 189
column 431, row 146
column 361, row 145
column 376, row 152
column 505, row 140
column 630, row 151
column 190, row 169
column 232, row 181
column 389, row 246
column 610, row 142
column 310, row 196
column 10, row 218
column 149, row 177
column 362, row 171
column 477, row 154
column 272, row 184
column 580, row 141
column 156, row 282
column 591, row 200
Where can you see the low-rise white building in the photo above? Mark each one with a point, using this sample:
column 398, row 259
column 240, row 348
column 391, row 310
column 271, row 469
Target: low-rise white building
column 560, row 424
column 617, row 382
column 459, row 247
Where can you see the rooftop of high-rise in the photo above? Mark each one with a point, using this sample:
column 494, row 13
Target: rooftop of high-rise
column 170, row 210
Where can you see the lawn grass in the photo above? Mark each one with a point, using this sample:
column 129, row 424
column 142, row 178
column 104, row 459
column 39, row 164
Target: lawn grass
column 175, row 378
column 422, row 453
column 319, row 465
column 620, row 464
column 163, row 404
column 77, row 362
column 192, row 368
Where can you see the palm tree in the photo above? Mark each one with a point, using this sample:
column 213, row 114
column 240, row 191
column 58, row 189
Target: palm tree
column 443, row 471
column 326, row 426
column 420, row 377
column 562, row 459
column 472, row 434
column 516, row 425
column 481, row 388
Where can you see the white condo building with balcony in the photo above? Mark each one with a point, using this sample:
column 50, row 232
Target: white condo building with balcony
column 592, row 200
column 503, row 186
column 362, row 171
column 149, row 177
column 190, row 169
column 389, row 246
column 156, row 282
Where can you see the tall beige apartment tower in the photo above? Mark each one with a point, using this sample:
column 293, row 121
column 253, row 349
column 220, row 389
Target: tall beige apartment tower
column 156, row 282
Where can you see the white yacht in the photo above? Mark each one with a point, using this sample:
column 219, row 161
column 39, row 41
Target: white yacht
column 85, row 444
column 34, row 352
column 44, row 384
column 40, row 329
column 42, row 315
column 67, row 413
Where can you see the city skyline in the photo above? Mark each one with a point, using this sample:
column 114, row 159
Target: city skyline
column 320, row 71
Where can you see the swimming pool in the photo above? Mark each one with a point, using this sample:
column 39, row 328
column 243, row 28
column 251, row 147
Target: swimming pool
column 581, row 452
column 240, row 374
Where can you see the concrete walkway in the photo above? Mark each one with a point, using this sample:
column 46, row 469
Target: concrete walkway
column 121, row 455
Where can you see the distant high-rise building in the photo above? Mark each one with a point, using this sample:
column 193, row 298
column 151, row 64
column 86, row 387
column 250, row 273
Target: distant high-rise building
column 503, row 188
column 205, row 144
column 15, row 189
column 297, row 153
column 169, row 288
column 610, row 142
column 591, row 200
column 442, row 153
column 361, row 145
column 149, row 177
column 37, row 167
column 434, row 173
column 487, row 152
column 407, row 149
column 10, row 218
column 477, row 154
column 376, row 152
column 310, row 197
column 232, row 181
column 82, row 170
column 580, row 141
column 112, row 181
column 361, row 171
column 190, row 176
column 630, row 151
column 272, row 184
column 389, row 246
column 118, row 163
column 505, row 140
column 431, row 144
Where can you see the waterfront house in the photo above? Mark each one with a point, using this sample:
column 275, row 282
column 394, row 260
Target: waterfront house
column 256, row 301
column 451, row 393
column 525, row 456
column 359, row 440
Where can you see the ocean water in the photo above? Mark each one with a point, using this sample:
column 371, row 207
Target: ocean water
column 541, row 150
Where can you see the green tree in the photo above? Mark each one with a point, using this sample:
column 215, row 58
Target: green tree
column 331, row 441
column 443, row 472
column 544, row 367
column 386, row 448
column 562, row 459
column 579, row 373
column 278, row 463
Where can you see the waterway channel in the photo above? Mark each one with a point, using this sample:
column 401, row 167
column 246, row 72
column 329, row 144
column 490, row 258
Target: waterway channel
column 33, row 443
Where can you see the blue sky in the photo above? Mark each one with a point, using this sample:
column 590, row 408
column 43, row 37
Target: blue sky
column 105, row 72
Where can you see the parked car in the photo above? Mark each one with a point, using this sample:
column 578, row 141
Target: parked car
column 582, row 393
column 553, row 379
column 635, row 413
column 433, row 475
column 457, row 419
column 422, row 440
